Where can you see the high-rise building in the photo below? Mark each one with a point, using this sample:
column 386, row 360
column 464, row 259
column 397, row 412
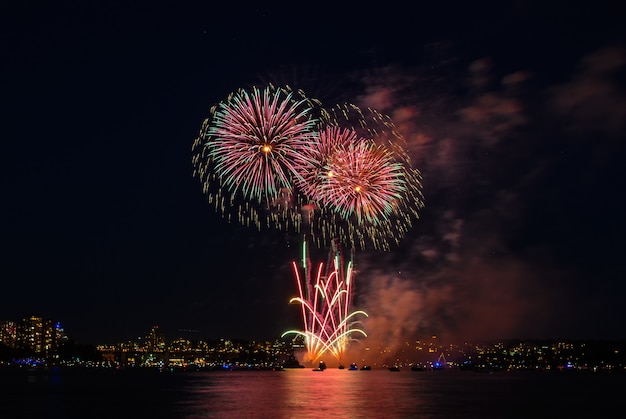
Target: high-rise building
column 39, row 336
column 155, row 341
column 8, row 333
column 30, row 334
column 54, row 337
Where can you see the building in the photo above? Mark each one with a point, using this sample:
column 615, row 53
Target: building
column 8, row 333
column 33, row 336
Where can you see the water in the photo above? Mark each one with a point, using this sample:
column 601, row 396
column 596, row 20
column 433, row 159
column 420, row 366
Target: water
column 303, row 393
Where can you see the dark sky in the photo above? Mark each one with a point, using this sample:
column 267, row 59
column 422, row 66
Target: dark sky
column 514, row 112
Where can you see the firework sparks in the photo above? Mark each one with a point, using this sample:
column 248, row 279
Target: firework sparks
column 367, row 193
column 374, row 187
column 367, row 123
column 250, row 150
column 255, row 141
column 362, row 180
column 329, row 325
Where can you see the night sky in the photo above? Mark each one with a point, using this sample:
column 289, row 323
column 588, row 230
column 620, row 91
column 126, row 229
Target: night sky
column 513, row 111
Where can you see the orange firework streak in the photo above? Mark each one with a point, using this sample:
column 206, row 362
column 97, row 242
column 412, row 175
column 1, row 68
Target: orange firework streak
column 328, row 321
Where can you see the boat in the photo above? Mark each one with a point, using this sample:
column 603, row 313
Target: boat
column 321, row 366
column 366, row 368
column 353, row 367
column 394, row 368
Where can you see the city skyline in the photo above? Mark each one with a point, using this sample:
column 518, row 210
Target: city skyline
column 35, row 343
column 512, row 111
column 47, row 328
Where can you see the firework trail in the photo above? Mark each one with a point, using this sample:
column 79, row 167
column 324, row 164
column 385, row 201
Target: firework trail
column 329, row 325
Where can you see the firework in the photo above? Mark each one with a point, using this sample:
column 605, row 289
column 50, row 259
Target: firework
column 360, row 179
column 367, row 193
column 329, row 325
column 249, row 151
column 381, row 212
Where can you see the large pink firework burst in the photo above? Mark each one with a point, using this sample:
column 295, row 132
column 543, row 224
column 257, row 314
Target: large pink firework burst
column 253, row 141
column 250, row 150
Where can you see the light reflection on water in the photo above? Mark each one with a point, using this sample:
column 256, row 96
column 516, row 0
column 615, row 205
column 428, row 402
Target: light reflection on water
column 303, row 393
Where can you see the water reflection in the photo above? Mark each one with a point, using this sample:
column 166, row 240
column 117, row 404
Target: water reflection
column 302, row 393
column 334, row 393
